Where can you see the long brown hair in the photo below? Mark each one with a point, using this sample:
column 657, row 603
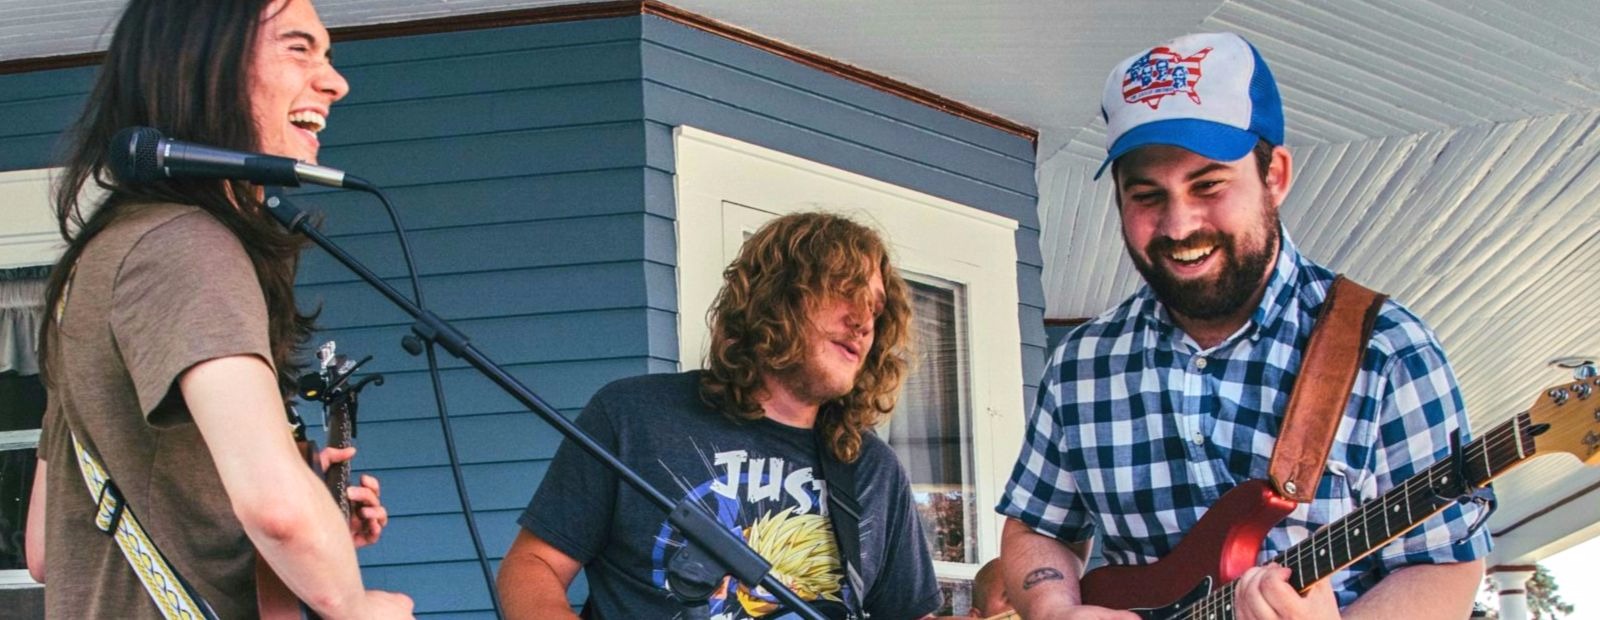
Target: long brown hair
column 181, row 67
column 760, row 324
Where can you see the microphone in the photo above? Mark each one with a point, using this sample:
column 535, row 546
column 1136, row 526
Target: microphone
column 142, row 155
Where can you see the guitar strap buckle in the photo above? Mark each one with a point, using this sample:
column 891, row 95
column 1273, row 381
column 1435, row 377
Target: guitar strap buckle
column 109, row 508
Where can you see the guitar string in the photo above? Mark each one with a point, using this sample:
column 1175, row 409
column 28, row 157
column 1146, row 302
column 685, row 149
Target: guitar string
column 1498, row 440
column 1503, row 444
column 1494, row 445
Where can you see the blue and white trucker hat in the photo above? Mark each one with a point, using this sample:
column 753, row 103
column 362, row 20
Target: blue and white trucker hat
column 1211, row 94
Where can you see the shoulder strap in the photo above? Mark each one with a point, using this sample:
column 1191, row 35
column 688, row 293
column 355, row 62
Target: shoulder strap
column 171, row 593
column 844, row 511
column 1327, row 372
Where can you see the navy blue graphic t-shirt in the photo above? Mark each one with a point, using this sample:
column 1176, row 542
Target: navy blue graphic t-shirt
column 760, row 479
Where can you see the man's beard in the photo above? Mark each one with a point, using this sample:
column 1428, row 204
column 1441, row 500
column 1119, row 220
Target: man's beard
column 811, row 382
column 1209, row 298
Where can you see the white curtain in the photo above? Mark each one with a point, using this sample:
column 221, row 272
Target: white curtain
column 21, row 311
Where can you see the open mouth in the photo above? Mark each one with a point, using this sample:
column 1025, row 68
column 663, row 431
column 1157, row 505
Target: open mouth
column 1190, row 257
column 308, row 120
column 850, row 349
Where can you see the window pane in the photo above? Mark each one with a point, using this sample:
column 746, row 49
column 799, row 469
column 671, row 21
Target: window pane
column 930, row 430
column 21, row 408
column 21, row 402
column 957, row 595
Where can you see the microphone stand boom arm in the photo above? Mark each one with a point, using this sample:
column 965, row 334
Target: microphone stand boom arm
column 728, row 553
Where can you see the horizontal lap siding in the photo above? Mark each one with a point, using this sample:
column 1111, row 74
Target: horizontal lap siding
column 38, row 107
column 696, row 78
column 517, row 158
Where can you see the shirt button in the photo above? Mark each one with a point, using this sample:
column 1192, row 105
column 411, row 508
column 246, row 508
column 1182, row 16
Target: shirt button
column 1199, row 439
column 1200, row 363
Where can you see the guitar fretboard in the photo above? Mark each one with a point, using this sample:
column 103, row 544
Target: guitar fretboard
column 1375, row 523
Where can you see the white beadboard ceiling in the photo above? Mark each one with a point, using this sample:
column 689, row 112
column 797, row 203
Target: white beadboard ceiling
column 1446, row 153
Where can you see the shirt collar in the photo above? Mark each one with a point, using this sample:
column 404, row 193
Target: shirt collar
column 1281, row 286
column 1278, row 297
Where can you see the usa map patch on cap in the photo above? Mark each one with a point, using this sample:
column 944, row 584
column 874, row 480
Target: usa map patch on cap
column 1162, row 73
column 1209, row 93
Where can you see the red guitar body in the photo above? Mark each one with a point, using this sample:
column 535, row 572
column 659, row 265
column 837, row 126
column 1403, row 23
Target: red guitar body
column 1220, row 548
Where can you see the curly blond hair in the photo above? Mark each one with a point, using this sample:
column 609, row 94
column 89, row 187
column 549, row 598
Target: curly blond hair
column 759, row 323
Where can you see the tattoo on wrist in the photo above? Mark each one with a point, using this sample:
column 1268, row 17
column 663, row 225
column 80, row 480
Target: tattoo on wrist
column 1041, row 575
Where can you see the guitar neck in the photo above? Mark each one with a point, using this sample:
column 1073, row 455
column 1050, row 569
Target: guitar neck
column 1392, row 514
column 340, row 427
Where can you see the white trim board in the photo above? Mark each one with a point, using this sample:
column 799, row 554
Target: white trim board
column 28, row 233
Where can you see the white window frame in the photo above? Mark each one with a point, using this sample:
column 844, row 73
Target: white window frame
column 929, row 235
column 28, row 237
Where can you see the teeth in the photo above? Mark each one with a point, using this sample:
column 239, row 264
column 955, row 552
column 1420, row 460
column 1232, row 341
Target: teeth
column 1192, row 255
column 309, row 120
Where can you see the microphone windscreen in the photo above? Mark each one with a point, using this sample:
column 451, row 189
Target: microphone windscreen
column 132, row 156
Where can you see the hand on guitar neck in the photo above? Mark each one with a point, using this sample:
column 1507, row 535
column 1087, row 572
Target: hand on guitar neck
column 367, row 515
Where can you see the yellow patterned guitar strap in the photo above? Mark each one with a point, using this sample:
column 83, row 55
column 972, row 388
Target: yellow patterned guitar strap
column 176, row 599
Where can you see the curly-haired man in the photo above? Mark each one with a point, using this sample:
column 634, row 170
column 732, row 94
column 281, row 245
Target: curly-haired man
column 808, row 349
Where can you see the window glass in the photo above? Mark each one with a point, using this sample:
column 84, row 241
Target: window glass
column 931, row 428
column 21, row 405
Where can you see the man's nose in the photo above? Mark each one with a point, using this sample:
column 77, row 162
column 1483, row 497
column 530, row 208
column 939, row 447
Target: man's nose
column 858, row 321
column 1182, row 217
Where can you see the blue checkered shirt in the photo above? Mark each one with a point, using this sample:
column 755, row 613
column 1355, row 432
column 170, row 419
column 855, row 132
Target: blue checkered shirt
column 1138, row 430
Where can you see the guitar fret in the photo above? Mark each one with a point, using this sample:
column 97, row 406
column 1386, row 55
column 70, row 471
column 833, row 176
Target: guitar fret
column 1408, row 503
column 1385, row 514
column 1516, row 434
column 1488, row 466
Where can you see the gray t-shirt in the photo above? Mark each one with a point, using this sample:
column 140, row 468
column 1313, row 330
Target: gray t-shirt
column 760, row 479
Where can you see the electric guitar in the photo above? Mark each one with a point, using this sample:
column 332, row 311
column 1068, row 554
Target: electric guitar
column 332, row 387
column 1195, row 580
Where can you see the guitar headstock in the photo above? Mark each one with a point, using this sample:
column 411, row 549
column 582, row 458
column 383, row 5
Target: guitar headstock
column 1570, row 416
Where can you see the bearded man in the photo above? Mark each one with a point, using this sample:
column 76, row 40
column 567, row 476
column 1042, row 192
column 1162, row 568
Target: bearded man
column 808, row 338
column 1151, row 411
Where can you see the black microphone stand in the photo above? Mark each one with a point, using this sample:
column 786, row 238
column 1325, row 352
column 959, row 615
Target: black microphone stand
column 693, row 576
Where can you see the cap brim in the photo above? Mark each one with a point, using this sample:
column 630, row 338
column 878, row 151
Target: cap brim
column 1208, row 139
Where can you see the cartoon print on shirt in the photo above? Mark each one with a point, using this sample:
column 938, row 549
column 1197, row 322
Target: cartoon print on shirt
column 781, row 512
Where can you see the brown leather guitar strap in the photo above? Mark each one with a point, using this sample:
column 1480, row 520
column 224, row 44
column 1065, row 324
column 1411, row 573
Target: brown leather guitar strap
column 1322, row 390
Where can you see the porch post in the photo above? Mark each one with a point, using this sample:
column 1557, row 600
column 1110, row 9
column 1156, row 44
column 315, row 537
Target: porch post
column 1511, row 581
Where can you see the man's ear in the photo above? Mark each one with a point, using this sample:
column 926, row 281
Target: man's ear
column 1280, row 175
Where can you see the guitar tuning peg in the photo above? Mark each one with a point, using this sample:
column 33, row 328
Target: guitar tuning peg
column 1585, row 372
column 326, row 354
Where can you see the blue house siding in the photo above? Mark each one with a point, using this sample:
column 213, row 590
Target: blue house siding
column 533, row 167
column 518, row 158
column 38, row 107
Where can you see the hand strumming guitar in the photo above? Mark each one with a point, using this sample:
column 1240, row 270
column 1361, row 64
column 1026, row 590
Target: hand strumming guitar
column 1264, row 593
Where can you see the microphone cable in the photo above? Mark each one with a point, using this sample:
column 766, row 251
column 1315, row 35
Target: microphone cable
column 415, row 345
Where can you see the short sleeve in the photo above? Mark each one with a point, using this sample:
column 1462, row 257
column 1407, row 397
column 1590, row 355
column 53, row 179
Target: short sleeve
column 185, row 293
column 1041, row 494
column 572, row 510
column 1421, row 409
